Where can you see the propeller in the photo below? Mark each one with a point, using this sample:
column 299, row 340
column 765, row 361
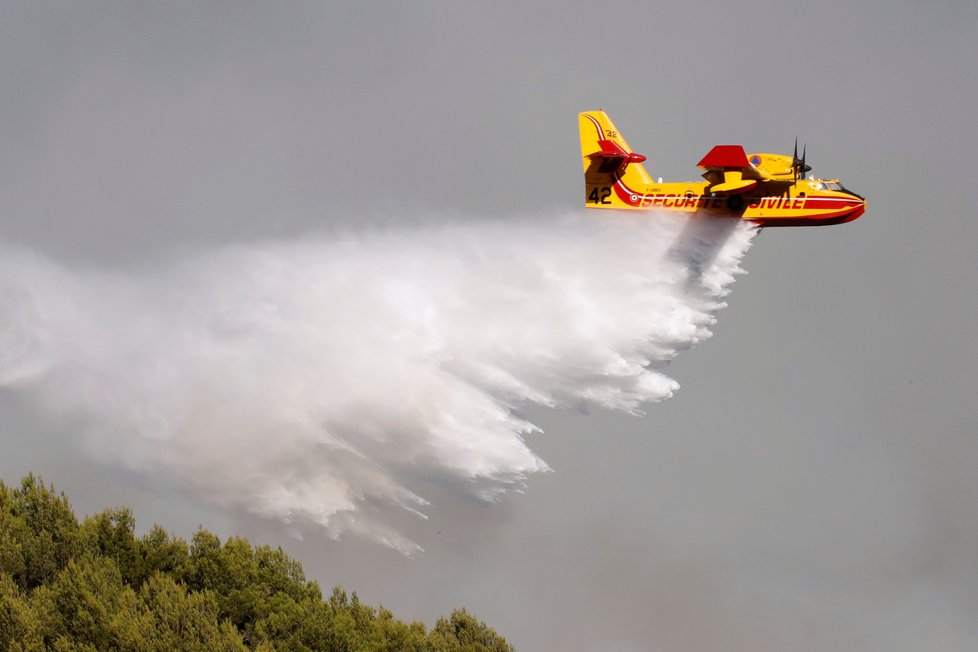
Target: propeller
column 798, row 164
column 794, row 159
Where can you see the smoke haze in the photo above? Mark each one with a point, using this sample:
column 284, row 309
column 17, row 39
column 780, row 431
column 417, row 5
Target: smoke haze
column 326, row 382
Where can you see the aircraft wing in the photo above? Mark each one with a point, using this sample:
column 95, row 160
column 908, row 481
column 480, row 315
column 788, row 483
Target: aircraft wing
column 738, row 174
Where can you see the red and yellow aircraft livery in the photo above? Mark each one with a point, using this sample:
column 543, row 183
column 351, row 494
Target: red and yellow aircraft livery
column 770, row 189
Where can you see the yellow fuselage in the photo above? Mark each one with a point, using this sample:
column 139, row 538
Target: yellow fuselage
column 807, row 202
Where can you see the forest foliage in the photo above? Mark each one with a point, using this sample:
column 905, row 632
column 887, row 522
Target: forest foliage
column 93, row 585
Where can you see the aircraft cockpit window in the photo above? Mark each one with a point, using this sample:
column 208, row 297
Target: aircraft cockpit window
column 831, row 185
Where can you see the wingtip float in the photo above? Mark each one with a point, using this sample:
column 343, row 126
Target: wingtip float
column 769, row 189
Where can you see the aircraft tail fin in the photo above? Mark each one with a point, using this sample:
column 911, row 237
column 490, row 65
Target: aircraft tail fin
column 610, row 165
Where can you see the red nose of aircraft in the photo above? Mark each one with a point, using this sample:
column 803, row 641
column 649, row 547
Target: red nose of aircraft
column 859, row 206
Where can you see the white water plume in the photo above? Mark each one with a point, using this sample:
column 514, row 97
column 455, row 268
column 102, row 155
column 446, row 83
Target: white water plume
column 325, row 381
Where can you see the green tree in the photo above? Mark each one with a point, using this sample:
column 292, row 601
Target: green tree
column 19, row 628
column 38, row 532
column 78, row 605
column 464, row 632
column 97, row 586
column 168, row 617
column 111, row 534
column 160, row 552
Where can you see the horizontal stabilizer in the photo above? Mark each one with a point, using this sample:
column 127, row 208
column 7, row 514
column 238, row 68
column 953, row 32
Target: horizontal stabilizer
column 613, row 157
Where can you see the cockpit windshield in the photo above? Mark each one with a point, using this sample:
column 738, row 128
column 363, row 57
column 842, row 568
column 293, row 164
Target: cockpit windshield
column 827, row 185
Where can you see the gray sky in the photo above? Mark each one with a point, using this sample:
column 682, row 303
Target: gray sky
column 811, row 486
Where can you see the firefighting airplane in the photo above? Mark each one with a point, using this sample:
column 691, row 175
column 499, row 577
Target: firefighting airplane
column 769, row 189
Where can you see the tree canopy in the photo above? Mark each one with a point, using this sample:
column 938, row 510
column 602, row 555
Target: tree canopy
column 93, row 585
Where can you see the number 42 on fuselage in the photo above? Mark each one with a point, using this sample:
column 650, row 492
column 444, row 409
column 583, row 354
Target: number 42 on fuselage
column 769, row 189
